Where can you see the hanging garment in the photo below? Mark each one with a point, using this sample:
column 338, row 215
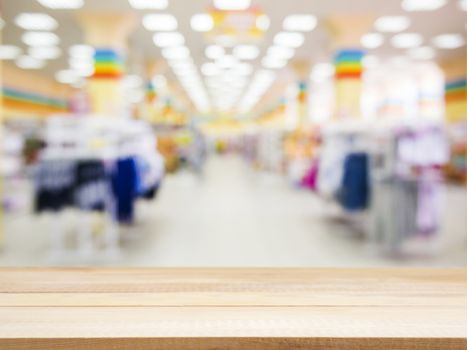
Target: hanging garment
column 355, row 189
column 429, row 205
column 92, row 185
column 125, row 183
column 311, row 178
column 54, row 181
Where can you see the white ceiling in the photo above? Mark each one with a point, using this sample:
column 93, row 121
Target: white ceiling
column 449, row 19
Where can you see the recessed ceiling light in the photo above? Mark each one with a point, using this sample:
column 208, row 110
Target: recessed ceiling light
column 392, row 24
column 202, row 22
column 62, row 4
column 209, row 69
column 40, row 39
column 159, row 22
column 322, row 71
column 9, row 52
column 289, row 39
column 232, row 5
column 168, row 39
column 422, row 53
column 272, row 63
column 159, row 81
column 66, row 76
column 449, row 41
column 82, row 52
column 176, row 53
column 85, row 71
column 149, row 4
column 226, row 61
column 213, row 52
column 281, row 52
column 407, row 40
column 80, row 63
column 27, row 62
column 372, row 40
column 36, row 21
column 300, row 23
column 243, row 69
column 370, row 61
column 263, row 22
column 246, row 52
column 423, row 5
column 45, row 53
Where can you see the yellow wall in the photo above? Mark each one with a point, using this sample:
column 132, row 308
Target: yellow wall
column 31, row 84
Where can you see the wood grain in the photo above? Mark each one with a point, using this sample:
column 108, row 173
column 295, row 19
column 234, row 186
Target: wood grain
column 233, row 309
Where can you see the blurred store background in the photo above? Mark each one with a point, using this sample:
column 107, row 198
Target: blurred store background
column 233, row 133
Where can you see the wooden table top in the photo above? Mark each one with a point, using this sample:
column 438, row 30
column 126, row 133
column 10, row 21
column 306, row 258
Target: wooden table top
column 317, row 308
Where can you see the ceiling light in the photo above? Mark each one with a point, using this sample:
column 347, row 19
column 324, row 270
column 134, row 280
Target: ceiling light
column 36, row 21
column 232, row 5
column 80, row 63
column 243, row 69
column 370, row 61
column 81, row 51
column 213, row 52
column 372, row 40
column 149, row 4
column 407, row 40
column 281, row 52
column 246, row 52
column 423, row 5
column 300, row 23
column 62, row 4
column 209, row 69
column 9, row 52
column 40, row 39
column 159, row 22
column 159, row 81
column 85, row 71
column 392, row 24
column 27, row 62
column 202, row 22
column 45, row 53
column 226, row 61
column 132, row 81
column 272, row 63
column 322, row 71
column 178, row 52
column 289, row 39
column 449, row 41
column 168, row 39
column 463, row 5
column 263, row 22
column 66, row 76
column 422, row 53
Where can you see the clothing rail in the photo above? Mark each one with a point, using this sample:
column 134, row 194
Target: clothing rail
column 176, row 308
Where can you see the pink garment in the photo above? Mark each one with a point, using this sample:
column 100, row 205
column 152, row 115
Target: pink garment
column 310, row 180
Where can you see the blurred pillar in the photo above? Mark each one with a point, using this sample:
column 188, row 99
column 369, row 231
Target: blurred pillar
column 302, row 71
column 108, row 34
column 455, row 73
column 346, row 31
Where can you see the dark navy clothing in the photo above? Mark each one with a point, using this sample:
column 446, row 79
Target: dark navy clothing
column 125, row 187
column 355, row 189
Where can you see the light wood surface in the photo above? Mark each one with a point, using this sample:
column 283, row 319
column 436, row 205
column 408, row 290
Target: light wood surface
column 174, row 309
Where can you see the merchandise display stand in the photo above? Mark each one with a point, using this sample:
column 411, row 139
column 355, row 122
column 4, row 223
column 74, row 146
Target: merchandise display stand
column 177, row 308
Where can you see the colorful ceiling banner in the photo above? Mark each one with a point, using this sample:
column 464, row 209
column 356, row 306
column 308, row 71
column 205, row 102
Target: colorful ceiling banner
column 108, row 64
column 349, row 64
column 456, row 90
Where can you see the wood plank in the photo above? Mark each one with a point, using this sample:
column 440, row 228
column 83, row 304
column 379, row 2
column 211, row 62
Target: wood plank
column 233, row 309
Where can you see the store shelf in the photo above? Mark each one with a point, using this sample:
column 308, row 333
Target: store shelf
column 233, row 309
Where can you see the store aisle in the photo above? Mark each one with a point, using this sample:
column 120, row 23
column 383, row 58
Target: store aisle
column 234, row 216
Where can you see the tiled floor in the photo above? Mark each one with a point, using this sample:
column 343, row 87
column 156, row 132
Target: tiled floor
column 234, row 216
